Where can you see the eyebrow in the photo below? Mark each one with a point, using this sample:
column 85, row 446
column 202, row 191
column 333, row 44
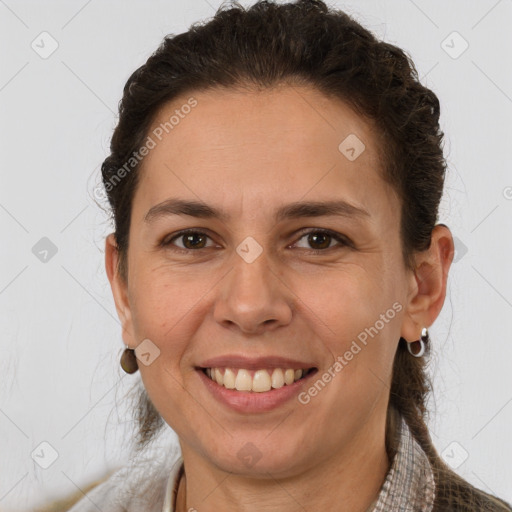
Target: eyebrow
column 290, row 211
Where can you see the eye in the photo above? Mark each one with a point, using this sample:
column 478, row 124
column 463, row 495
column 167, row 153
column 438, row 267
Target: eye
column 191, row 240
column 320, row 239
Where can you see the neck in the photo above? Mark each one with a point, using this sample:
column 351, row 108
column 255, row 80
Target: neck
column 352, row 478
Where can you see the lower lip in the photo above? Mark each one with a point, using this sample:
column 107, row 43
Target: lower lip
column 251, row 401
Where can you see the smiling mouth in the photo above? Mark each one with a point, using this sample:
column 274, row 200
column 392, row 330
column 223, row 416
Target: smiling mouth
column 258, row 381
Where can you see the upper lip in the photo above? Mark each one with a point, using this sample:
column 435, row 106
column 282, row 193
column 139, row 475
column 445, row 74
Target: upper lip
column 254, row 363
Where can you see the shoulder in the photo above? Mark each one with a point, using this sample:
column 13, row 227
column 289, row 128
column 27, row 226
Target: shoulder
column 139, row 485
column 64, row 503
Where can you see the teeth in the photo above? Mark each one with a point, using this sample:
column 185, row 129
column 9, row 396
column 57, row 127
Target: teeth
column 261, row 381
column 258, row 381
column 289, row 377
column 229, row 378
column 277, row 378
column 243, row 381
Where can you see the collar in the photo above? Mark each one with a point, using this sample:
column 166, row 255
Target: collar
column 409, row 485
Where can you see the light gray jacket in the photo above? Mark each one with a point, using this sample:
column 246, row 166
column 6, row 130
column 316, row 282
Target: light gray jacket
column 144, row 484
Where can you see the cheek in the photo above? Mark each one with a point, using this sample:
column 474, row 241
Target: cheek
column 357, row 319
column 345, row 301
column 165, row 302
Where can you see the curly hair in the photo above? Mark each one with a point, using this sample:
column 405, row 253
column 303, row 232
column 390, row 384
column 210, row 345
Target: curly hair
column 308, row 43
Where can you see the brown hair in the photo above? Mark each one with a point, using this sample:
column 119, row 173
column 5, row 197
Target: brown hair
column 307, row 43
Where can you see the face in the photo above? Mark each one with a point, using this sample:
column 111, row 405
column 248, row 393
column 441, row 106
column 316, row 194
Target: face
column 321, row 288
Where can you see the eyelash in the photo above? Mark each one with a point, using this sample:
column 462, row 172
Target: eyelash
column 343, row 240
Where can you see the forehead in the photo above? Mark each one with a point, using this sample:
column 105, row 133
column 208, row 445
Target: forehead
column 271, row 146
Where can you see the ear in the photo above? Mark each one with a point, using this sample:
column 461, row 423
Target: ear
column 427, row 289
column 119, row 290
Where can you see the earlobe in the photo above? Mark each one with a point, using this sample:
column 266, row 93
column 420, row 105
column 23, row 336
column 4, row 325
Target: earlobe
column 119, row 289
column 428, row 286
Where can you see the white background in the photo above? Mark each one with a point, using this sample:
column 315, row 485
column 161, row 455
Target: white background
column 60, row 342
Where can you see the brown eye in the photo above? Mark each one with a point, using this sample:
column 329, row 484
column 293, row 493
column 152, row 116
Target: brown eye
column 190, row 239
column 196, row 240
column 319, row 240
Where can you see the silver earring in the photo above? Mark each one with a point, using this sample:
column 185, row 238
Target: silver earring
column 421, row 341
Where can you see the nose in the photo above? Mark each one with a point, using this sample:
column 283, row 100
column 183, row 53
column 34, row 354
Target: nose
column 253, row 298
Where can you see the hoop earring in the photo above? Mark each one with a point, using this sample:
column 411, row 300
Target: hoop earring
column 129, row 361
column 421, row 341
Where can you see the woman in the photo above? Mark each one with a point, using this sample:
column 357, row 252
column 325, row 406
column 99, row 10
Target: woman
column 275, row 178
